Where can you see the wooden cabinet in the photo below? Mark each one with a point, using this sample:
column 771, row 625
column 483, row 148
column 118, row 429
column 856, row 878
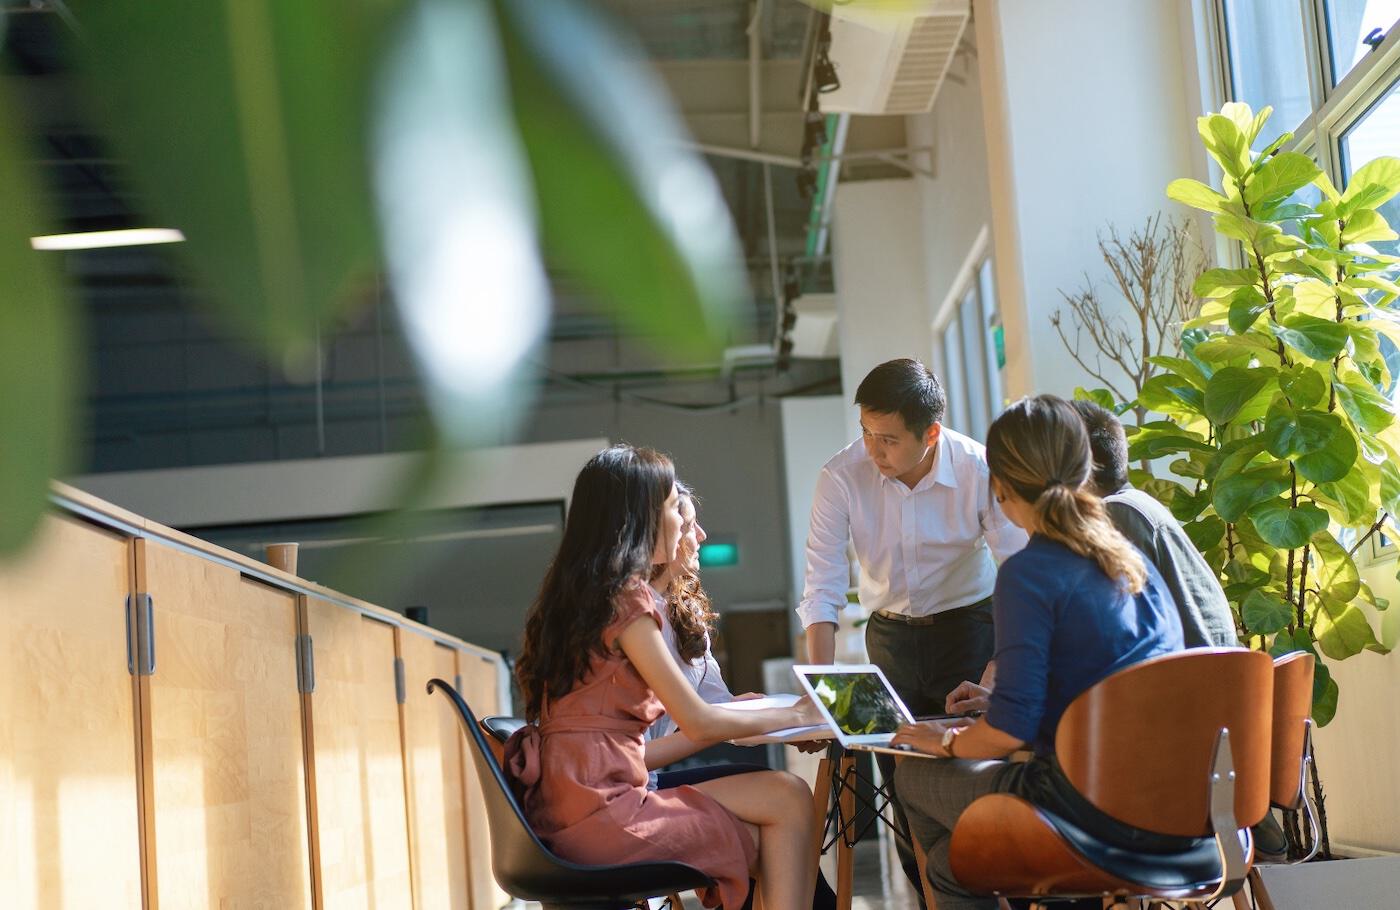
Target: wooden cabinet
column 481, row 688
column 356, row 749
column 226, row 774
column 69, row 817
column 182, row 727
column 433, row 750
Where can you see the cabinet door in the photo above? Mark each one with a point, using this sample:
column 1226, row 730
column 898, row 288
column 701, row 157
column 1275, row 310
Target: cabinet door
column 433, row 744
column 482, row 691
column 227, row 770
column 361, row 818
column 69, row 817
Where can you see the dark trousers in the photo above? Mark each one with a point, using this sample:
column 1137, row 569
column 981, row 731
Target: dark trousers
column 924, row 663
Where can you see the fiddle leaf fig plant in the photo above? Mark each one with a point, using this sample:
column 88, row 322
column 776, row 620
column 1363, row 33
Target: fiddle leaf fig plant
column 1277, row 416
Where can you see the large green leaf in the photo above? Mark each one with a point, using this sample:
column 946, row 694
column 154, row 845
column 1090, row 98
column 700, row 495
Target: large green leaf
column 1367, row 226
column 1368, row 409
column 1335, row 574
column 39, row 373
column 1233, row 496
column 1280, row 177
column 1246, row 306
column 1225, row 142
column 1371, row 186
column 1325, row 695
column 1230, row 388
column 1350, row 497
column 1205, row 533
column 1320, row 339
column 1332, row 461
column 626, row 207
column 1304, row 385
column 1265, row 613
column 1342, row 630
column 1168, row 393
column 1184, row 367
column 244, row 124
column 1286, row 526
column 1223, row 282
column 1290, row 431
column 1195, row 194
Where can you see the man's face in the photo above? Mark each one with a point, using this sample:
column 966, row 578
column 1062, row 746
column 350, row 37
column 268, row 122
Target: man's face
column 895, row 450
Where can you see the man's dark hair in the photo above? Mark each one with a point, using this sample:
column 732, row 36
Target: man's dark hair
column 1108, row 443
column 907, row 388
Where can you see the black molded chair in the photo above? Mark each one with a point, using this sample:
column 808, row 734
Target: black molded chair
column 526, row 868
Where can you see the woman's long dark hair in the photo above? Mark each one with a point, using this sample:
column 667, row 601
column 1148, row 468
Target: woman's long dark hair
column 1039, row 447
column 609, row 538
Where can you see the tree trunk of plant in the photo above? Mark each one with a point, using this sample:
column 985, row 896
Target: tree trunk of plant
column 1298, row 836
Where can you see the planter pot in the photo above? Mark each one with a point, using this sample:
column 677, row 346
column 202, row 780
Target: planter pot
column 1370, row 883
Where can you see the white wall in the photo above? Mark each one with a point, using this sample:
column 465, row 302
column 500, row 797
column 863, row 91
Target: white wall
column 814, row 429
column 1087, row 120
column 877, row 258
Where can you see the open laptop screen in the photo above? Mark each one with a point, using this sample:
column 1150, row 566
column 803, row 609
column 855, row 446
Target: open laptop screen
column 858, row 702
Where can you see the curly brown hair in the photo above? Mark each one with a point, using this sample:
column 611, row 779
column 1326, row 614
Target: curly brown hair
column 687, row 604
column 609, row 538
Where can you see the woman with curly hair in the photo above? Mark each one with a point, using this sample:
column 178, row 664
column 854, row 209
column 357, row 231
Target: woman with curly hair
column 595, row 673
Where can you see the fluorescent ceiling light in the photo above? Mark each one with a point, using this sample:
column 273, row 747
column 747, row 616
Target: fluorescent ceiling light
column 92, row 240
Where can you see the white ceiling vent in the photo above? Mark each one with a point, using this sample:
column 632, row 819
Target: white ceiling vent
column 893, row 64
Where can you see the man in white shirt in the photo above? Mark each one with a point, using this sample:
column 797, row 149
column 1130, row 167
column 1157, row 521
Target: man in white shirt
column 914, row 499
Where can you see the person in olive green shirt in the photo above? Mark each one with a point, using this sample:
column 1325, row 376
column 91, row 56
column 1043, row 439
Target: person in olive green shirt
column 1206, row 619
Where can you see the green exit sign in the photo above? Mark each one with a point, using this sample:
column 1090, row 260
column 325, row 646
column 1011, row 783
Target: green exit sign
column 719, row 553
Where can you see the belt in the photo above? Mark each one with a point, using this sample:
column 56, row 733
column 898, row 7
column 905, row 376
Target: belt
column 929, row 619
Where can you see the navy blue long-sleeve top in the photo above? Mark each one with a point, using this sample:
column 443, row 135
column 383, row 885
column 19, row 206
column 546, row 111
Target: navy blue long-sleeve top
column 1061, row 626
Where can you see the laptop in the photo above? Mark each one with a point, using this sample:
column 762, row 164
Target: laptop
column 859, row 705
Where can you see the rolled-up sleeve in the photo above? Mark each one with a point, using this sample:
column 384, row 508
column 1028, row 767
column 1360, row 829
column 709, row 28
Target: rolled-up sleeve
column 828, row 569
column 1025, row 623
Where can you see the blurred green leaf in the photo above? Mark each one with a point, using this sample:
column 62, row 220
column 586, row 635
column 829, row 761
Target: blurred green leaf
column 39, row 372
column 243, row 124
column 1234, row 495
column 458, row 214
column 624, row 206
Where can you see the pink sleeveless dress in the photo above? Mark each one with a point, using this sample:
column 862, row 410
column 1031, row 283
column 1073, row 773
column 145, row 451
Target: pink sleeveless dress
column 584, row 778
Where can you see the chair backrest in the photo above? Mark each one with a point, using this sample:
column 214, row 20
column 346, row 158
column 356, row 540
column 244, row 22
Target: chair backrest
column 1293, row 694
column 498, row 729
column 523, row 866
column 1140, row 744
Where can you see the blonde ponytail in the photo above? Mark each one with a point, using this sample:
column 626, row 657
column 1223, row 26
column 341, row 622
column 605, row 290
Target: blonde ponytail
column 1039, row 448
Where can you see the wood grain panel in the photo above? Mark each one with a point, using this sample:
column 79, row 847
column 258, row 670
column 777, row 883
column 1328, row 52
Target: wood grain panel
column 481, row 689
column 69, row 817
column 361, row 816
column 435, row 778
column 227, row 769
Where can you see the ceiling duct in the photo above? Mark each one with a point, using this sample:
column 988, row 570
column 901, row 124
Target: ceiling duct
column 893, row 64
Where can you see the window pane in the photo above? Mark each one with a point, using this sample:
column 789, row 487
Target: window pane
column 992, row 339
column 955, row 380
column 974, row 356
column 1268, row 63
column 1348, row 22
column 1377, row 133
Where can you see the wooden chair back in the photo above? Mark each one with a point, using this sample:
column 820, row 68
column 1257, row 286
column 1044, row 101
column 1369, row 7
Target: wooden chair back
column 1139, row 744
column 1293, row 694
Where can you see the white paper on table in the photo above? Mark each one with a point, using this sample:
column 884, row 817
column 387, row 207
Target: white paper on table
column 781, row 700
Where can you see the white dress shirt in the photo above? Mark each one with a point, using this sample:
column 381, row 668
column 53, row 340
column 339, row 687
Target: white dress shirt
column 702, row 673
column 922, row 550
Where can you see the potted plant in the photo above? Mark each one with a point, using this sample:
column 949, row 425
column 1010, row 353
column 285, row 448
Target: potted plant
column 1282, row 441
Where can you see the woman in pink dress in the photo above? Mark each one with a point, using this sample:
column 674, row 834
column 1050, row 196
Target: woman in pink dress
column 595, row 673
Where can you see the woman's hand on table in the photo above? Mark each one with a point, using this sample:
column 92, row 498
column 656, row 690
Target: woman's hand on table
column 805, row 712
column 968, row 696
column 749, row 696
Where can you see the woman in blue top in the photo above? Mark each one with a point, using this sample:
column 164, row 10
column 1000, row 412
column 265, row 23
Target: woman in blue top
column 1077, row 604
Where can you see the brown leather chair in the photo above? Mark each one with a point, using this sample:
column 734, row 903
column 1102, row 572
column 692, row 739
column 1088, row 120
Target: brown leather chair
column 1292, row 739
column 1178, row 745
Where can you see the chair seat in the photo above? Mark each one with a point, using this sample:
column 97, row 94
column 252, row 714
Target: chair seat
column 1005, row 845
column 604, row 886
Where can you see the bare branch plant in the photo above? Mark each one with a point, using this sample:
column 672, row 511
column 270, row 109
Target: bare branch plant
column 1152, row 270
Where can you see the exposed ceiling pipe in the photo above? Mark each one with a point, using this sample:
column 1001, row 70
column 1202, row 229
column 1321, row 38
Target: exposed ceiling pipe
column 755, row 33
